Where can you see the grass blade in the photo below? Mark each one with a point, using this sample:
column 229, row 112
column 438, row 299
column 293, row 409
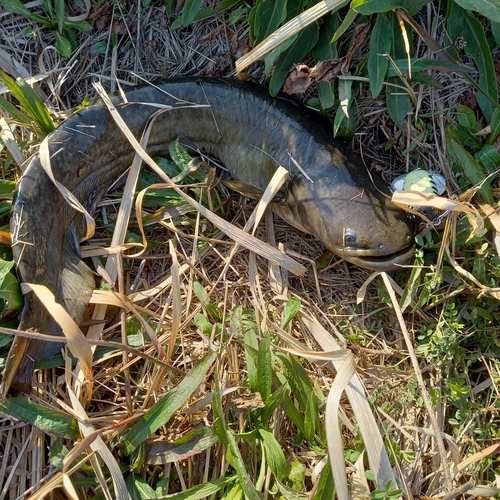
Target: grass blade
column 162, row 411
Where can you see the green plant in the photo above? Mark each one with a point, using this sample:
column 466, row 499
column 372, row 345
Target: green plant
column 55, row 19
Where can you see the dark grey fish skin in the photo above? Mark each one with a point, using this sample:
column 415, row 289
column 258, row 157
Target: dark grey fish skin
column 250, row 132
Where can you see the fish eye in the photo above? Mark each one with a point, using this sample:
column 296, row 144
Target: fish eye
column 349, row 237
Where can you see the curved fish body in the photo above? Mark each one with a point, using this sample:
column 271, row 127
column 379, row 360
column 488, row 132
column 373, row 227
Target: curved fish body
column 329, row 193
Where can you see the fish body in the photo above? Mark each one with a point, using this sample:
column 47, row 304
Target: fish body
column 329, row 193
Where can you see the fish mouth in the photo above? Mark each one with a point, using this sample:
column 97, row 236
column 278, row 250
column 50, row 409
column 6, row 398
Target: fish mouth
column 388, row 262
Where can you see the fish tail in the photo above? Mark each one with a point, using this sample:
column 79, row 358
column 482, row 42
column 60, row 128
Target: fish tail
column 75, row 283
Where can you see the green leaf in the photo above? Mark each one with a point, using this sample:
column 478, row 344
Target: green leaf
column 271, row 58
column 418, row 65
column 16, row 7
column 398, row 101
column 11, row 292
column 57, row 452
column 163, row 411
column 311, row 420
column 489, row 158
column 237, row 14
column 224, row 5
column 63, row 45
column 205, row 490
column 193, row 443
column 202, row 15
column 78, row 25
column 326, row 487
column 59, row 5
column 50, row 421
column 275, row 457
column 268, row 15
column 380, row 44
column 369, row 7
column 30, row 102
column 189, row 11
column 463, row 24
column 209, row 306
column 139, row 488
column 12, row 110
column 324, row 50
column 264, row 368
column 472, row 169
column 233, row 456
column 305, row 41
column 495, row 126
column 346, row 23
column 292, row 307
column 490, row 9
column 495, row 31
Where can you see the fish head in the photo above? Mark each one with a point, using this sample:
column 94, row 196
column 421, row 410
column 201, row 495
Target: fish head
column 354, row 218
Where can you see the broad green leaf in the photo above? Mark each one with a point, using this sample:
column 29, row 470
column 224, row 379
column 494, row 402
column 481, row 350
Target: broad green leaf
column 269, row 14
column 324, row 50
column 463, row 24
column 326, row 487
column 275, row 457
column 380, row 44
column 179, row 155
column 264, row 368
column 292, row 307
column 488, row 158
column 495, row 31
column 59, row 6
column 271, row 58
column 138, row 488
column 275, row 400
column 63, row 45
column 16, row 7
column 369, row 7
column 200, row 16
column 423, row 65
column 397, row 99
column 302, row 45
column 78, row 25
column 189, row 11
column 205, row 490
column 163, row 411
column 224, row 5
column 193, row 443
column 490, row 9
column 11, row 292
column 57, row 452
column 237, row 14
column 5, row 268
column 472, row 169
column 48, row 420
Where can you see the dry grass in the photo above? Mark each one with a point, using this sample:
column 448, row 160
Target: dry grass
column 161, row 288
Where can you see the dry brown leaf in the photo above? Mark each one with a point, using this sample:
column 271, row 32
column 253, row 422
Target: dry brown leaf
column 77, row 343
